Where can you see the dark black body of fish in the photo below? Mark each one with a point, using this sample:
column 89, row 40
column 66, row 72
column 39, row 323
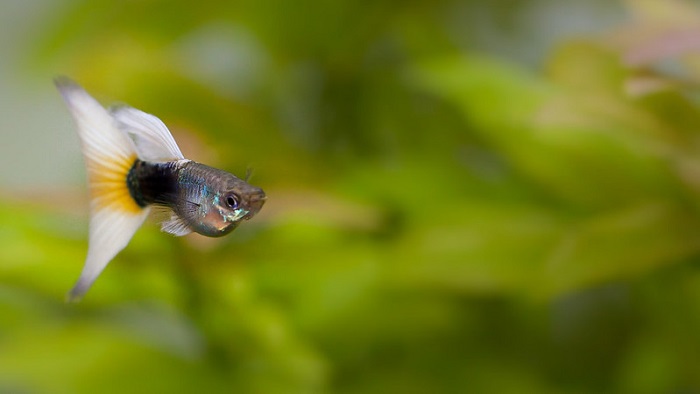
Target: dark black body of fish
column 153, row 183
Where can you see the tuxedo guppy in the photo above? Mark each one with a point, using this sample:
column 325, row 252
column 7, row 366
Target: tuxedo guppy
column 134, row 165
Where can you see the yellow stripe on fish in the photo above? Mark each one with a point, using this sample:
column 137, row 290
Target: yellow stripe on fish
column 108, row 186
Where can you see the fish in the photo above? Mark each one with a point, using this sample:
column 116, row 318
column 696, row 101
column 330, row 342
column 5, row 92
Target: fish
column 135, row 168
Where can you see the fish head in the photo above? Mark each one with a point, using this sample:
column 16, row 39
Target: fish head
column 240, row 200
column 234, row 201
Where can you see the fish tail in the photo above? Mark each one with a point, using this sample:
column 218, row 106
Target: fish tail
column 109, row 156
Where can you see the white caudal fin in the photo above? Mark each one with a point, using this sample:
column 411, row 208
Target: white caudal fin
column 109, row 155
column 153, row 139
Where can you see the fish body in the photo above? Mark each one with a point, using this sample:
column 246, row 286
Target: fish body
column 203, row 199
column 134, row 166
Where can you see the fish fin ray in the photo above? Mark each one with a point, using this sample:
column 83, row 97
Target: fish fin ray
column 109, row 153
column 109, row 156
column 110, row 232
column 175, row 226
column 169, row 221
column 151, row 136
column 160, row 213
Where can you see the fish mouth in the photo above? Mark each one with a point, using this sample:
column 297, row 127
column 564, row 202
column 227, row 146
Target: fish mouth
column 255, row 203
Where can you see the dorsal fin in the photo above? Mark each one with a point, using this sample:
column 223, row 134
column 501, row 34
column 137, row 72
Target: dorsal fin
column 152, row 138
column 109, row 155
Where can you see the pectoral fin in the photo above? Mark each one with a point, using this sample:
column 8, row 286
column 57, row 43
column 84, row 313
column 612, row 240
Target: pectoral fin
column 175, row 226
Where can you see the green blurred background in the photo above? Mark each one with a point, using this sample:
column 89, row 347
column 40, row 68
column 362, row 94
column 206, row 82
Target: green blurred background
column 464, row 197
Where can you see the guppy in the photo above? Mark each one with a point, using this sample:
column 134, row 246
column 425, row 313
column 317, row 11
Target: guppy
column 134, row 166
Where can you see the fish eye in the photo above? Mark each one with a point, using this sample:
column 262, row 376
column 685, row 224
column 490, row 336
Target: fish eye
column 232, row 201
